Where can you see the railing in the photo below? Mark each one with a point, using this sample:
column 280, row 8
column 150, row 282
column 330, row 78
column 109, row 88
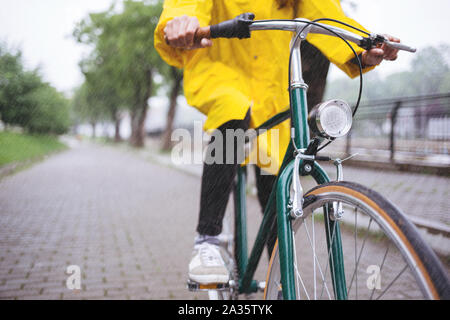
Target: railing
column 404, row 130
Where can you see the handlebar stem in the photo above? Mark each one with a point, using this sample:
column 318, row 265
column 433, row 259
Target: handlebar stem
column 296, row 63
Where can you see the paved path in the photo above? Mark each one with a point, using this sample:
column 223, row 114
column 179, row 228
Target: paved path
column 127, row 223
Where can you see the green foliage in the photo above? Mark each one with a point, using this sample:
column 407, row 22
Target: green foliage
column 429, row 73
column 16, row 85
column 17, row 147
column 50, row 112
column 87, row 105
column 121, row 67
column 27, row 101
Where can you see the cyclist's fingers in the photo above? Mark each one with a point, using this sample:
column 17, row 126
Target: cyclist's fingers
column 376, row 54
column 373, row 57
column 206, row 43
column 389, row 52
column 171, row 32
column 191, row 28
column 168, row 33
column 391, row 38
column 181, row 31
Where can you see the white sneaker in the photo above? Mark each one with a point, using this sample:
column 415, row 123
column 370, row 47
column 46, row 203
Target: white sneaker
column 207, row 265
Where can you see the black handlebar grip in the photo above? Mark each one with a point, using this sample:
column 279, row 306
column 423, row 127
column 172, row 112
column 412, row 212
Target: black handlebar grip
column 234, row 28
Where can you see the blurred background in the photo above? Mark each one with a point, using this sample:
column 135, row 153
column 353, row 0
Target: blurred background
column 76, row 65
column 81, row 81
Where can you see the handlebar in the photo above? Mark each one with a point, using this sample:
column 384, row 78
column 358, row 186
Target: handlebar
column 241, row 27
column 400, row 46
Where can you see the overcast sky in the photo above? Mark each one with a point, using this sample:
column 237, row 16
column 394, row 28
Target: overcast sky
column 43, row 28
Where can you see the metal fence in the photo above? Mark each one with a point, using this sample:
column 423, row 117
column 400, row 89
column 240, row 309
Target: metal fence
column 414, row 129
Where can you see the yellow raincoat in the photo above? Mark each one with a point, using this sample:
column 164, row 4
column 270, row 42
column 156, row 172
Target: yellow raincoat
column 224, row 81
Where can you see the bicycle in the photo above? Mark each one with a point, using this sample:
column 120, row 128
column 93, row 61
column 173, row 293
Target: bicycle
column 317, row 254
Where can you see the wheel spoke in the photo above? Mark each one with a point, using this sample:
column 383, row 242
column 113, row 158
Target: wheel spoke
column 392, row 282
column 381, row 268
column 314, row 256
column 299, row 277
column 373, row 237
column 296, row 266
column 330, row 256
column 324, row 285
column 359, row 258
column 356, row 249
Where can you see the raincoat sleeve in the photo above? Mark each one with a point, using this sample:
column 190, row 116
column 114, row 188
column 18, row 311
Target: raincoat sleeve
column 333, row 48
column 175, row 8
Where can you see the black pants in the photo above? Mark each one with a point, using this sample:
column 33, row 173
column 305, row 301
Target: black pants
column 217, row 183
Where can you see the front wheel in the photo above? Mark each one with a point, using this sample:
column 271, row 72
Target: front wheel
column 380, row 253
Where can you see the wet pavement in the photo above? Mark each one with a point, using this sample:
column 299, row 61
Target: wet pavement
column 129, row 223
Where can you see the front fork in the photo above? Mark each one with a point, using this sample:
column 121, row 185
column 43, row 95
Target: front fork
column 285, row 236
column 288, row 209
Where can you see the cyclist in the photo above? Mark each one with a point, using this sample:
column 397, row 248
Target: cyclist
column 239, row 84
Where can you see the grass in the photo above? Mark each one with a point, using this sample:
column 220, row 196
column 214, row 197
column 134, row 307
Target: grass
column 17, row 147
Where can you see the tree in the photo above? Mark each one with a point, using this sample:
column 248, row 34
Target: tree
column 103, row 95
column 123, row 44
column 16, row 84
column 175, row 76
column 27, row 101
column 428, row 69
column 429, row 73
column 88, row 107
column 51, row 113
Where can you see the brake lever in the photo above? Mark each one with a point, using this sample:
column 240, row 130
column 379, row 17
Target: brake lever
column 374, row 40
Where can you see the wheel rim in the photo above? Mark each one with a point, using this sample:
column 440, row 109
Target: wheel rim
column 371, row 272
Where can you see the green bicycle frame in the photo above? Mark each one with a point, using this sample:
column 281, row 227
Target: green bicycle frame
column 277, row 214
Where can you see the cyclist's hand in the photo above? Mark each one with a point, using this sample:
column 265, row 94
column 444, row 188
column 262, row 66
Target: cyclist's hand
column 180, row 31
column 375, row 56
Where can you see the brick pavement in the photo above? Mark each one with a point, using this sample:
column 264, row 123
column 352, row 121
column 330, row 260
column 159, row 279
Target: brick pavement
column 128, row 223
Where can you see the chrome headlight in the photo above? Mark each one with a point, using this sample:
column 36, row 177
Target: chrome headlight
column 331, row 119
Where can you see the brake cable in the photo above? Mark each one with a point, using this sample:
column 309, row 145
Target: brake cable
column 315, row 22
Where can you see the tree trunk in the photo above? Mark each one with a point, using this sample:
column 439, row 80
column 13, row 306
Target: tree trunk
column 94, row 126
column 139, row 114
column 315, row 72
column 138, row 125
column 116, row 116
column 177, row 77
column 117, row 122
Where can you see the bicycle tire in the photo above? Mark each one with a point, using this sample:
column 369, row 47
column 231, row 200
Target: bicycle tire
column 425, row 267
